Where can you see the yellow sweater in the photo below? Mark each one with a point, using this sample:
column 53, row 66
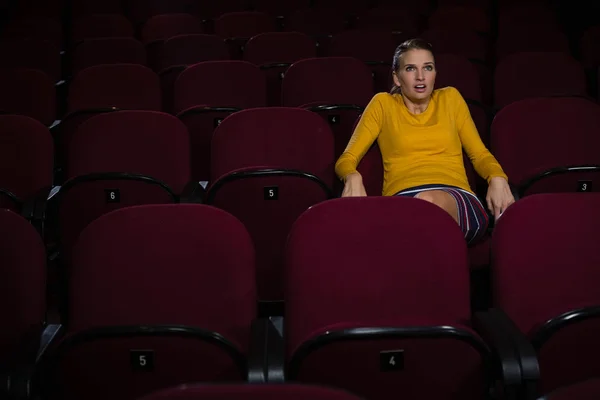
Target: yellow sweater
column 420, row 149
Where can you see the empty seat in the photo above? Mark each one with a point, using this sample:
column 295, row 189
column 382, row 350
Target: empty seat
column 162, row 27
column 52, row 9
column 268, row 165
column 288, row 391
column 26, row 161
column 535, row 14
column 192, row 49
column 375, row 48
column 34, row 27
column 338, row 88
column 140, row 11
column 522, row 129
column 121, row 50
column 157, row 298
column 106, row 88
column 95, row 26
column 87, row 7
column 244, row 24
column 279, row 8
column 315, row 22
column 121, row 159
column 180, row 51
column 31, row 54
column 544, row 279
column 237, row 27
column 274, row 52
column 377, row 303
column 394, row 18
column 460, row 18
column 464, row 43
column 531, row 39
column 212, row 10
column 22, row 290
column 207, row 92
column 510, row 84
column 28, row 92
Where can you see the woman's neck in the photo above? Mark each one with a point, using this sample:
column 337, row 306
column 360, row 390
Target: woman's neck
column 416, row 107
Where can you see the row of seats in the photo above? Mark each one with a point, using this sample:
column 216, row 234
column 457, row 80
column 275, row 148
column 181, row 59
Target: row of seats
column 320, row 84
column 105, row 154
column 166, row 294
column 446, row 13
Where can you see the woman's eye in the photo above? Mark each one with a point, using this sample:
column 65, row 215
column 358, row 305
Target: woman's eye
column 429, row 68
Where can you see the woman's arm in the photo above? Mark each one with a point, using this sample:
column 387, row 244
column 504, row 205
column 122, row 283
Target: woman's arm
column 499, row 195
column 483, row 161
column 366, row 132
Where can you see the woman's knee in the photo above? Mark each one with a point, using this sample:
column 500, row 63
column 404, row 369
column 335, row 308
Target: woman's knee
column 441, row 199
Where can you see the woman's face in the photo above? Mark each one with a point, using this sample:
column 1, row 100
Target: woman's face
column 416, row 75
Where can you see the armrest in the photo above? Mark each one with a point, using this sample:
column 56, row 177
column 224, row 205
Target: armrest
column 34, row 209
column 192, row 193
column 503, row 333
column 17, row 382
column 265, row 358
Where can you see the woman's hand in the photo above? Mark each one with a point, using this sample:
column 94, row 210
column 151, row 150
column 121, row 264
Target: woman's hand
column 499, row 196
column 353, row 186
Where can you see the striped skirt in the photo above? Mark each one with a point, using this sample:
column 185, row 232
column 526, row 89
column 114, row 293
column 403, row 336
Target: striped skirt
column 472, row 217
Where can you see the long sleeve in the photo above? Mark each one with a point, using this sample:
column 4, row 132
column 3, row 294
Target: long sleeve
column 483, row 161
column 366, row 132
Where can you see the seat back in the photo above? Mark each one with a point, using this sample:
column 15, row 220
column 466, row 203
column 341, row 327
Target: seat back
column 289, row 391
column 397, row 273
column 22, row 288
column 326, row 81
column 207, row 92
column 519, row 130
column 278, row 137
column 280, row 167
column 37, row 54
column 26, row 156
column 118, row 160
column 156, row 302
column 274, row 52
column 539, row 243
column 220, row 84
column 96, row 26
column 118, row 50
column 510, row 84
column 28, row 92
column 125, row 86
column 165, row 26
column 244, row 24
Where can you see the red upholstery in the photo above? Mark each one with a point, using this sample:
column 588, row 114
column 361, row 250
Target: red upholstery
column 151, row 266
column 289, row 391
column 540, row 243
column 22, row 287
column 373, row 270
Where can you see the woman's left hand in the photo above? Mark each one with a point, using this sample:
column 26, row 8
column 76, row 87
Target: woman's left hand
column 499, row 196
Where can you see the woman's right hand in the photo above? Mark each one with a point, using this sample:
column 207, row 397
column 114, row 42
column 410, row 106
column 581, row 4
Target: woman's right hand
column 353, row 186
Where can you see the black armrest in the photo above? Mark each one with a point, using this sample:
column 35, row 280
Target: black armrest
column 503, row 348
column 17, row 382
column 276, row 351
column 34, row 209
column 266, row 357
column 192, row 193
column 502, row 327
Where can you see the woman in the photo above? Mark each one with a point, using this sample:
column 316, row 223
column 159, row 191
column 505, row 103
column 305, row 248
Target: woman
column 421, row 133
